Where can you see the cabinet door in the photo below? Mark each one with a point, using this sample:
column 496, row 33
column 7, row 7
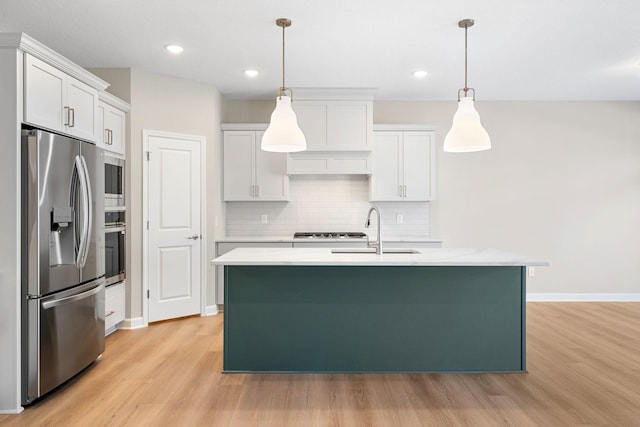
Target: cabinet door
column 272, row 181
column 103, row 137
column 83, row 100
column 239, row 165
column 114, row 306
column 312, row 119
column 386, row 180
column 44, row 89
column 114, row 122
column 418, row 162
column 349, row 125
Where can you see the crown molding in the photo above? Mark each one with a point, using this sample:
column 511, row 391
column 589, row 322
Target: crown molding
column 33, row 47
column 114, row 101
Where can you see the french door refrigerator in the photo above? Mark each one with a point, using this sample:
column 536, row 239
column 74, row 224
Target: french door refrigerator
column 62, row 259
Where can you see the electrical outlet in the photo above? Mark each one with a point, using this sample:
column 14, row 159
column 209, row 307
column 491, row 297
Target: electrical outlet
column 399, row 219
column 532, row 272
column 263, row 218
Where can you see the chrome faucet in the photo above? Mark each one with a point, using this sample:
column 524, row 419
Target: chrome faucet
column 376, row 243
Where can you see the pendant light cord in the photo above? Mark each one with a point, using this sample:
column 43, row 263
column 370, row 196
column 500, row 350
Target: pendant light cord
column 283, row 23
column 466, row 89
column 466, row 23
column 283, row 86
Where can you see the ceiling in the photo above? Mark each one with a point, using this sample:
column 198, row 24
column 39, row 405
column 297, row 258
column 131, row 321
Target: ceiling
column 518, row 49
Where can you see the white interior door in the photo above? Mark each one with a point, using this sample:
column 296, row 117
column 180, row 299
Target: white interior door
column 174, row 234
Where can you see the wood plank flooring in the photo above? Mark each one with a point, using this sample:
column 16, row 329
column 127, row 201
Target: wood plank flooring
column 583, row 361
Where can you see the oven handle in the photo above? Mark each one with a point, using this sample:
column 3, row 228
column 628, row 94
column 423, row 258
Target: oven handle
column 66, row 300
column 114, row 229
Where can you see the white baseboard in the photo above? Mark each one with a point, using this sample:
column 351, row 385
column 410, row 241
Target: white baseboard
column 133, row 323
column 557, row 297
column 210, row 310
column 11, row 411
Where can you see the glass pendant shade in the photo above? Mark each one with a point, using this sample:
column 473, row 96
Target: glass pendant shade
column 466, row 134
column 283, row 134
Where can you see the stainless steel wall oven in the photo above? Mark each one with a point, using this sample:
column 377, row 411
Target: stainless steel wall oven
column 114, row 245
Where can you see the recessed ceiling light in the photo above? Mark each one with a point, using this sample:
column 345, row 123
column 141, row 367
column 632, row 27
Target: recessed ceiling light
column 421, row 74
column 174, row 48
column 251, row 73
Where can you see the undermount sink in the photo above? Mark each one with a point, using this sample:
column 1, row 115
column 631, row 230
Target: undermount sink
column 373, row 251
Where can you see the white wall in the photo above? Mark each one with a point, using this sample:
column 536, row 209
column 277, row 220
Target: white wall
column 10, row 289
column 168, row 104
column 325, row 203
column 561, row 183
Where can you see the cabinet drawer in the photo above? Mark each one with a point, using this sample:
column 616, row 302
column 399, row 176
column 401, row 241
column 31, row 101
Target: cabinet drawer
column 114, row 306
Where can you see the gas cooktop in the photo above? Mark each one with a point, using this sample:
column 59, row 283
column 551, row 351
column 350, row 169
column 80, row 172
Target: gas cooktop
column 329, row 235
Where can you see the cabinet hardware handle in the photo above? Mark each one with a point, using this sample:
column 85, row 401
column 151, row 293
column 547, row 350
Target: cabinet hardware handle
column 106, row 137
column 405, row 191
column 110, row 137
column 72, row 120
column 400, row 190
column 66, row 110
column 109, row 314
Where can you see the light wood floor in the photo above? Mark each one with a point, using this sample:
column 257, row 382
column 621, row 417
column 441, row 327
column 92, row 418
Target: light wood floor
column 583, row 362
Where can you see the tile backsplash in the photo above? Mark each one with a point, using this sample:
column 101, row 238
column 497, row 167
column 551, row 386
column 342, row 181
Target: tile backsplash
column 325, row 203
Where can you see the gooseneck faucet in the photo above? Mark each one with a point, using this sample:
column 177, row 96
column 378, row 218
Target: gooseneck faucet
column 376, row 243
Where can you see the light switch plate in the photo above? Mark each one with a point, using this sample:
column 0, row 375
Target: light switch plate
column 263, row 219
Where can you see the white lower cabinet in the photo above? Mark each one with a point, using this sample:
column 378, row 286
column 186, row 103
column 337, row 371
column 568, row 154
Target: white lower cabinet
column 114, row 306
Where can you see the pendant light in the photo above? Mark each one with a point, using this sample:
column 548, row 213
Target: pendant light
column 283, row 134
column 466, row 134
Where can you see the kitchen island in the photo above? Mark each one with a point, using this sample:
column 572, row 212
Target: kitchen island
column 311, row 310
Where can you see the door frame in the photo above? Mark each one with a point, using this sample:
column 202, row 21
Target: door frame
column 146, row 134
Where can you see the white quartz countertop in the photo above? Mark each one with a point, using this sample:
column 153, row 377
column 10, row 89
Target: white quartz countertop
column 425, row 257
column 290, row 239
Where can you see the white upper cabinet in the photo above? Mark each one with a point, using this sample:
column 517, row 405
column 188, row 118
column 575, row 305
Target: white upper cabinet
column 59, row 102
column 336, row 125
column 252, row 174
column 403, row 166
column 112, row 116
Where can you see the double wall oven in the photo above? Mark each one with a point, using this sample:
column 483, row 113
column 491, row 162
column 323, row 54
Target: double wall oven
column 114, row 220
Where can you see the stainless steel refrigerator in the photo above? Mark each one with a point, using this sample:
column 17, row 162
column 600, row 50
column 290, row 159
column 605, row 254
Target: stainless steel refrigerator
column 62, row 259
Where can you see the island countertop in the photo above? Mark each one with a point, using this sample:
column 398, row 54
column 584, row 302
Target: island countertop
column 425, row 257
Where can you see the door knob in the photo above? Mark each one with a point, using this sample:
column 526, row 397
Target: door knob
column 194, row 237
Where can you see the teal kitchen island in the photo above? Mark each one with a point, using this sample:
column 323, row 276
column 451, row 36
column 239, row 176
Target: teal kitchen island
column 311, row 310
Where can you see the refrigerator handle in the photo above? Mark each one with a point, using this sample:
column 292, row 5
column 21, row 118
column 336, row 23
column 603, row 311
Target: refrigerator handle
column 88, row 209
column 83, row 205
column 66, row 300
